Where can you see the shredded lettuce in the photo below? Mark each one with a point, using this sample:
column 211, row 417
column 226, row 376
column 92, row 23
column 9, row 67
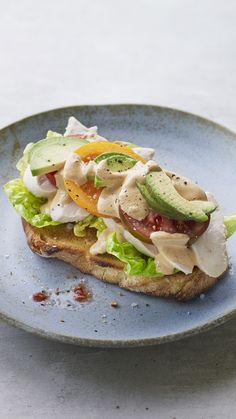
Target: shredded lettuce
column 135, row 262
column 230, row 224
column 92, row 222
column 26, row 204
column 99, row 224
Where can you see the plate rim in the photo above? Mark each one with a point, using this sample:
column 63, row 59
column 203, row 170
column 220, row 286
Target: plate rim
column 121, row 343
column 118, row 343
column 116, row 105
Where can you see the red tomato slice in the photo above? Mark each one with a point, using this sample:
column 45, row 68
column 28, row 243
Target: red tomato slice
column 51, row 178
column 192, row 228
column 156, row 222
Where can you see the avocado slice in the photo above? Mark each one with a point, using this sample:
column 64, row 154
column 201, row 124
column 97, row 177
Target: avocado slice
column 151, row 201
column 167, row 201
column 120, row 163
column 51, row 153
column 147, row 196
column 115, row 155
column 116, row 162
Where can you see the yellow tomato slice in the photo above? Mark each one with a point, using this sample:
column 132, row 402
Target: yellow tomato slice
column 87, row 195
column 94, row 149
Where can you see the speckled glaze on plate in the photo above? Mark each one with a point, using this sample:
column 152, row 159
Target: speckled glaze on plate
column 187, row 144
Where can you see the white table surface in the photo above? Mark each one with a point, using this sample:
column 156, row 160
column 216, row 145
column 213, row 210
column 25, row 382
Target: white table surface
column 176, row 53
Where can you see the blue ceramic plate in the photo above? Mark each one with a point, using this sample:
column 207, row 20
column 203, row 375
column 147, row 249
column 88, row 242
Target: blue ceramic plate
column 184, row 143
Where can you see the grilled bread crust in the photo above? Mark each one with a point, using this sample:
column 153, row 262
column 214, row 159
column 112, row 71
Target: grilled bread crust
column 61, row 243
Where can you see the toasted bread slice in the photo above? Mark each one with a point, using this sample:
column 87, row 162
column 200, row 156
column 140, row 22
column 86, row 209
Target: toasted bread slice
column 61, row 243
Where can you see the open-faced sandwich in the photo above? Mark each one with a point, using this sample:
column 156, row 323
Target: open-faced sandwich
column 110, row 210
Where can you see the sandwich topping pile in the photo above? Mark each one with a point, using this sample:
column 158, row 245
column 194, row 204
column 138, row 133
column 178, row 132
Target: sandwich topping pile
column 157, row 223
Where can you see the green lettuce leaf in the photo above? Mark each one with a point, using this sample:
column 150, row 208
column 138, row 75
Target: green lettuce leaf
column 26, row 204
column 230, row 224
column 23, row 162
column 135, row 262
column 92, row 222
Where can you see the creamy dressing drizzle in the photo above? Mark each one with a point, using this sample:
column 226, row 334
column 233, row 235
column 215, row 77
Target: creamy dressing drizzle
column 121, row 190
column 186, row 187
column 78, row 171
